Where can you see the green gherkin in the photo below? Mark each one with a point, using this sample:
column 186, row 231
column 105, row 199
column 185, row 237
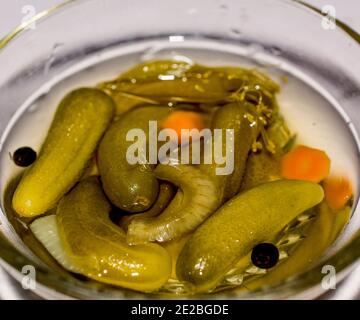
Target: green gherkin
column 131, row 187
column 252, row 217
column 79, row 123
column 97, row 248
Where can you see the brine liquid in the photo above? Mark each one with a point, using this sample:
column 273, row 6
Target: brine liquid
column 310, row 113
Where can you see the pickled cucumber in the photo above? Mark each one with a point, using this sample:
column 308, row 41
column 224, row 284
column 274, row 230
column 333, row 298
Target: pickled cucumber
column 97, row 248
column 166, row 194
column 197, row 199
column 264, row 166
column 250, row 218
column 232, row 116
column 79, row 123
column 131, row 187
column 206, row 224
column 261, row 168
column 123, row 89
column 174, row 248
column 188, row 82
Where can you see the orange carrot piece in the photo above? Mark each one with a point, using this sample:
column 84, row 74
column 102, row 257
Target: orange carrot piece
column 338, row 192
column 304, row 163
column 179, row 120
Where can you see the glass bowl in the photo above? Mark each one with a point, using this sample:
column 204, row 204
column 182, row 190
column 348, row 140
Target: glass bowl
column 281, row 33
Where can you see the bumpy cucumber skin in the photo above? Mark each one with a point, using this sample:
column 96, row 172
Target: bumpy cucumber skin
column 97, row 247
column 202, row 84
column 148, row 85
column 232, row 116
column 264, row 166
column 79, row 123
column 261, row 168
column 250, row 218
column 133, row 188
column 145, row 76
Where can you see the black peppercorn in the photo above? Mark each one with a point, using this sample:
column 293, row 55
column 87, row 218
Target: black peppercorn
column 24, row 157
column 265, row 255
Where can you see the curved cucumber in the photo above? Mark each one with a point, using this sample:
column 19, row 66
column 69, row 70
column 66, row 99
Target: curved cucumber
column 197, row 198
column 131, row 187
column 79, row 123
column 231, row 116
column 250, row 218
column 97, row 247
column 166, row 194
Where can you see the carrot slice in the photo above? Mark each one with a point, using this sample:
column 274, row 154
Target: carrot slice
column 338, row 192
column 304, row 163
column 179, row 120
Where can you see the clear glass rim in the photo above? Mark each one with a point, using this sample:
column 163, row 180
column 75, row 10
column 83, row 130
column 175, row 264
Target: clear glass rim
column 12, row 260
